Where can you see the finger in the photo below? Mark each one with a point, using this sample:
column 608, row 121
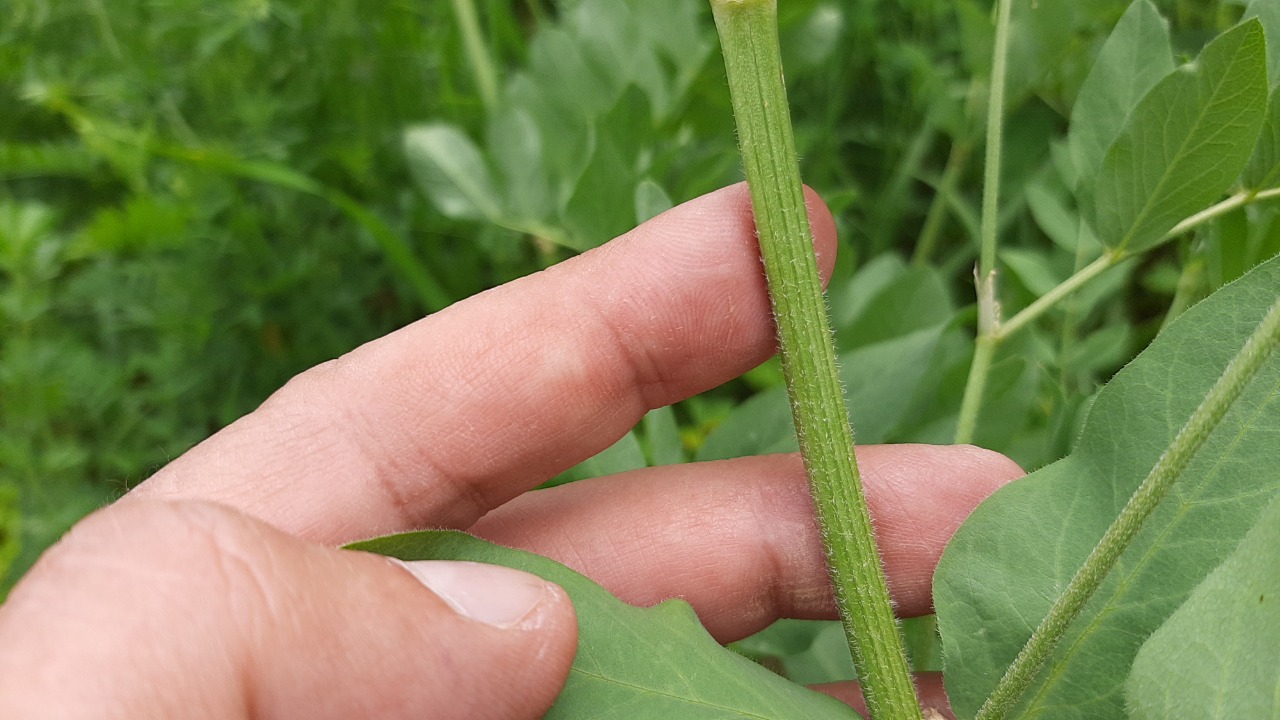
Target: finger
column 737, row 539
column 225, row 617
column 933, row 697
column 454, row 415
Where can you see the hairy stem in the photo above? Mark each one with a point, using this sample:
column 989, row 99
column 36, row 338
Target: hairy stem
column 1242, row 368
column 748, row 36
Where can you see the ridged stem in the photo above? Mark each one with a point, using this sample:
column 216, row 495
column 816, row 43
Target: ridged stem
column 749, row 37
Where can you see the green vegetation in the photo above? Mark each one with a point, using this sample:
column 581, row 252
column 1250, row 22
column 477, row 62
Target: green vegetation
column 197, row 202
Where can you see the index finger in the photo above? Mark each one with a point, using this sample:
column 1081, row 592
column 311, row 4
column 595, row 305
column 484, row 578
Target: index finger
column 438, row 423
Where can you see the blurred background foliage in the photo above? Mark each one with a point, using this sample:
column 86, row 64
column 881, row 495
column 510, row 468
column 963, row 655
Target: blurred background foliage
column 198, row 201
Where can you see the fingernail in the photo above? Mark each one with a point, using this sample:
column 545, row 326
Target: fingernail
column 491, row 594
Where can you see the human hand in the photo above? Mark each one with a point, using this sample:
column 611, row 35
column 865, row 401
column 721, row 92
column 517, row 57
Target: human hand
column 214, row 589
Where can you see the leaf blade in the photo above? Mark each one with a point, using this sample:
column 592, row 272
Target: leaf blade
column 1136, row 56
column 623, row 668
column 1218, row 656
column 1185, row 143
column 1019, row 549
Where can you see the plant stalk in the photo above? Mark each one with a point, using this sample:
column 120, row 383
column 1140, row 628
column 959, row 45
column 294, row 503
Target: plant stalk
column 1242, row 368
column 995, row 140
column 988, row 302
column 749, row 37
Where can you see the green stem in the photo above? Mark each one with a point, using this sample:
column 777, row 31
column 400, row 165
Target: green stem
column 748, row 36
column 995, row 141
column 971, row 404
column 988, row 303
column 486, row 74
column 1059, row 293
column 1114, row 257
column 1242, row 368
column 983, row 351
column 957, row 161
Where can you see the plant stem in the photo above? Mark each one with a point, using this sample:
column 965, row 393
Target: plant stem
column 1057, row 294
column 1114, row 257
column 995, row 141
column 988, row 303
column 1242, row 368
column 971, row 404
column 983, row 351
column 749, row 38
column 482, row 66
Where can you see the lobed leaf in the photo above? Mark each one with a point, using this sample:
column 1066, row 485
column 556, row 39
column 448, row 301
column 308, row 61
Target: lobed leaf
column 1184, row 144
column 1017, row 551
column 634, row 663
column 1218, row 656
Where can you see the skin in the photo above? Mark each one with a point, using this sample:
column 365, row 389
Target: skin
column 215, row 588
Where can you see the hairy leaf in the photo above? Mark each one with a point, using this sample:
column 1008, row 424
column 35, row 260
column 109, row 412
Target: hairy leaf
column 1184, row 144
column 634, row 662
column 1218, row 656
column 1014, row 555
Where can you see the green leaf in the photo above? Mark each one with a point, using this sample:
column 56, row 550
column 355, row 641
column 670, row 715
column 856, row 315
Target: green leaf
column 662, row 437
column 515, row 144
column 916, row 299
column 1185, row 143
column 1263, row 170
column 1013, row 556
column 1033, row 267
column 634, row 662
column 1268, row 12
column 625, row 454
column 1218, row 656
column 806, row 651
column 451, row 171
column 650, row 201
column 1135, row 57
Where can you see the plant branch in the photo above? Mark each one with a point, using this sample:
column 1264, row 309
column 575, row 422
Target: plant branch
column 1242, row 368
column 748, row 36
column 1114, row 257
column 1053, row 297
column 998, row 332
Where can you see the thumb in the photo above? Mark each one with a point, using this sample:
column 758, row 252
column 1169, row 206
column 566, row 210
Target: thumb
column 160, row 609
